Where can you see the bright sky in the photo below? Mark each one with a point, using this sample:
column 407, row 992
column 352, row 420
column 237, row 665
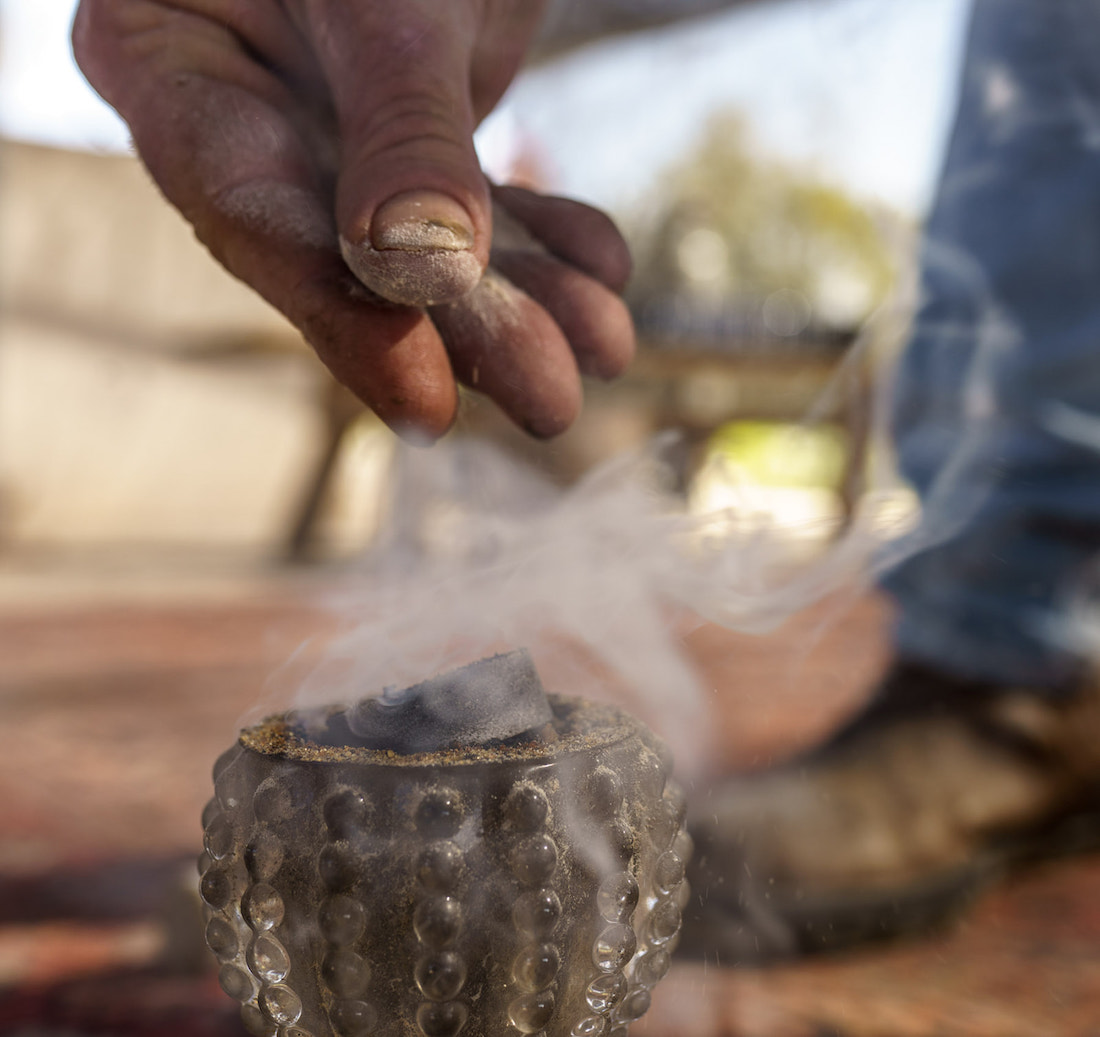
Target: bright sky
column 861, row 90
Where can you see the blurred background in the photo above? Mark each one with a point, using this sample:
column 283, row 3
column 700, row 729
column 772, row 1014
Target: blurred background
column 180, row 480
column 151, row 405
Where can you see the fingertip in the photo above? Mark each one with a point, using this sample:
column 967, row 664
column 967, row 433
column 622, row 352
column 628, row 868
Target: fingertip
column 413, row 277
column 503, row 344
column 421, row 425
column 595, row 321
column 617, row 264
column 554, row 408
column 618, row 345
column 551, row 424
column 577, row 233
column 416, row 397
column 413, row 392
column 611, row 263
column 390, row 357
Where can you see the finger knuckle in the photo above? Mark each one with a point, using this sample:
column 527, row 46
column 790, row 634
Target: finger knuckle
column 412, row 120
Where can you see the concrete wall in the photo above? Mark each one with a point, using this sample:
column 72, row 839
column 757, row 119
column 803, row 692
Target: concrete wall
column 145, row 396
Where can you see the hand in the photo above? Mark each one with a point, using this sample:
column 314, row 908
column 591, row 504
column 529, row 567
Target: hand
column 289, row 133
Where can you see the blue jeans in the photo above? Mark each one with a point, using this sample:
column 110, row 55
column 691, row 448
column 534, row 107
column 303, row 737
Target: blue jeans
column 997, row 408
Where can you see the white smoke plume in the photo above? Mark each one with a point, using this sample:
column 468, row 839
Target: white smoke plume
column 482, row 554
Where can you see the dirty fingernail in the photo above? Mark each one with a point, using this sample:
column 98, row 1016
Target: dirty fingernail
column 419, row 251
column 421, row 220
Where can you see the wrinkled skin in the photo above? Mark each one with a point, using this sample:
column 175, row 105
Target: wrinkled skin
column 281, row 128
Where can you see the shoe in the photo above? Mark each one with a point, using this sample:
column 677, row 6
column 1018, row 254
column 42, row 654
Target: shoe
column 897, row 822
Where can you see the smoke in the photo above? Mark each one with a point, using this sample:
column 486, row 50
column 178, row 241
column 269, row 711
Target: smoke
column 952, row 436
column 481, row 553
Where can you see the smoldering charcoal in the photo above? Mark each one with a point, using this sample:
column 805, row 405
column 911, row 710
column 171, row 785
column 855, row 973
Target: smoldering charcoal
column 467, row 854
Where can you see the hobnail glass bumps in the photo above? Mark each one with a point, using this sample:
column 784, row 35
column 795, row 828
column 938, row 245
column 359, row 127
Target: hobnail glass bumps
column 521, row 887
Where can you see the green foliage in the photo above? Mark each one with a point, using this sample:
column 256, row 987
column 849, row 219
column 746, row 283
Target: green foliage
column 778, row 454
column 726, row 223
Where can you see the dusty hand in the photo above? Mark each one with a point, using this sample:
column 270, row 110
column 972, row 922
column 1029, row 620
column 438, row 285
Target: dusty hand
column 290, row 132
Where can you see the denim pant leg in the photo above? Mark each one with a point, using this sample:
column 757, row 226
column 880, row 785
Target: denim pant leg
column 997, row 408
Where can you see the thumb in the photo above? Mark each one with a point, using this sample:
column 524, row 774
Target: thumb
column 412, row 205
